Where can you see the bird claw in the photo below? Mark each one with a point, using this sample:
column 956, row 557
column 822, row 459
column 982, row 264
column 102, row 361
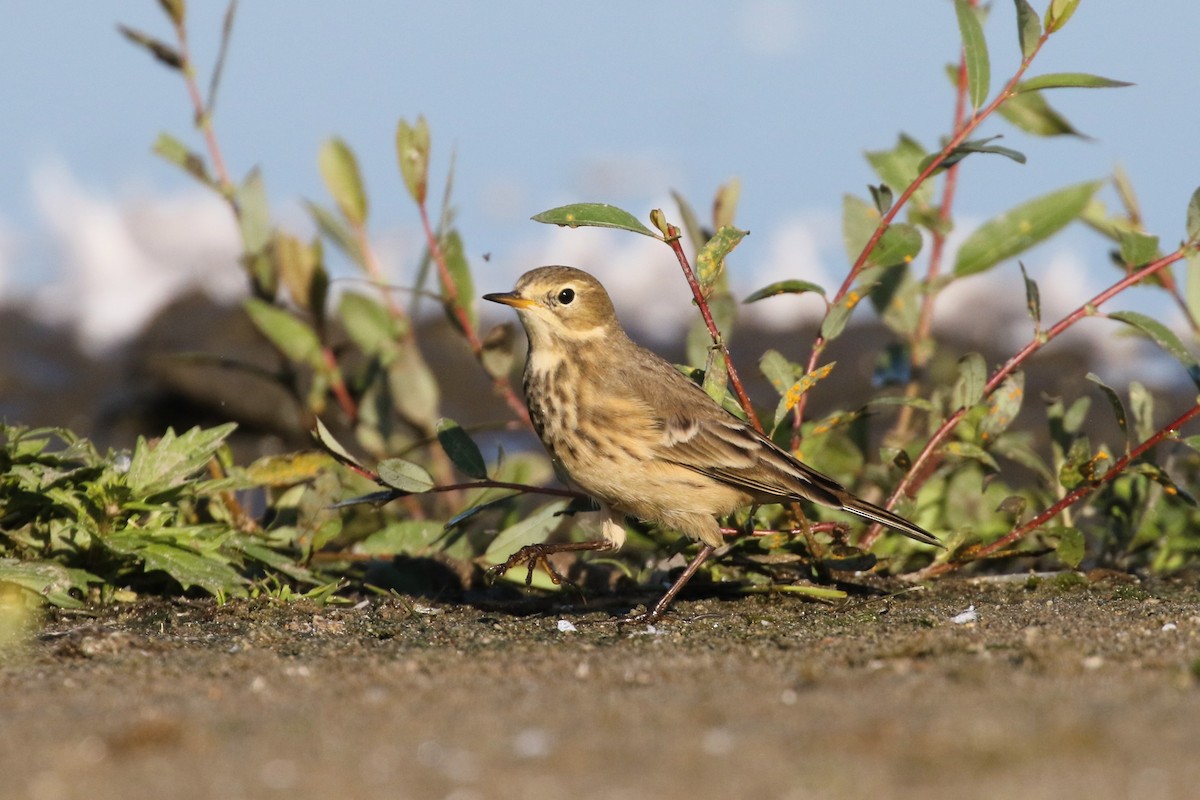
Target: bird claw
column 534, row 555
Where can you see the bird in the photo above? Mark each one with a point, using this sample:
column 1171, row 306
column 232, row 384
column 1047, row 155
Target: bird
column 630, row 430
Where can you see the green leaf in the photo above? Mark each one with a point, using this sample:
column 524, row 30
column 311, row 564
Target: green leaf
column 175, row 9
column 778, row 370
column 593, row 215
column 47, row 579
column 334, row 229
column 1069, row 80
column 300, row 266
column 972, row 375
column 1003, row 406
column 339, row 170
column 369, row 324
column 1033, row 297
column 798, row 389
column 190, row 568
column 412, row 151
column 1193, row 217
column 919, row 403
column 1141, row 407
column 838, row 315
column 1019, row 228
column 290, row 335
column 414, row 387
column 254, row 215
column 899, row 244
column 725, row 203
column 882, row 197
column 972, row 451
column 1170, row 487
column 499, row 350
column 407, row 476
column 697, row 235
column 1137, row 249
column 172, row 459
column 716, row 375
column 534, row 529
column 1033, row 114
column 900, row 166
column 163, row 52
column 460, row 276
column 1114, row 400
column 785, row 287
column 1164, row 337
column 975, row 52
column 334, row 447
column 175, row 151
column 982, row 146
column 1029, row 28
column 405, row 537
column 1069, row 544
column 1079, row 467
column 461, row 448
column 1193, row 283
column 1058, row 12
column 710, row 261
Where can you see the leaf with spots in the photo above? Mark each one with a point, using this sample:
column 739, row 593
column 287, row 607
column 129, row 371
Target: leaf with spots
column 593, row 215
column 1021, row 227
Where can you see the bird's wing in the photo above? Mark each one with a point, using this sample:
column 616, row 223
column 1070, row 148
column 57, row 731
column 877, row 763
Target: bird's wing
column 695, row 433
column 730, row 451
column 698, row 434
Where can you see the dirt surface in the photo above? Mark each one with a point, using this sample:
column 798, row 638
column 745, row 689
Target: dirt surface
column 1070, row 688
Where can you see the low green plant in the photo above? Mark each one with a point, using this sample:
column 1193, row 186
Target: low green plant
column 420, row 486
column 77, row 524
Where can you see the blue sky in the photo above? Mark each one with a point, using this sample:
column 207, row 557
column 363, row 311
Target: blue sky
column 546, row 105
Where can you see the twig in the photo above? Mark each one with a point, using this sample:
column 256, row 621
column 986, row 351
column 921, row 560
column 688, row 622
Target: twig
column 202, row 113
column 502, row 385
column 932, row 167
column 921, row 334
column 673, row 239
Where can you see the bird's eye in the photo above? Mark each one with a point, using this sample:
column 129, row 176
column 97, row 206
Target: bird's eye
column 566, row 296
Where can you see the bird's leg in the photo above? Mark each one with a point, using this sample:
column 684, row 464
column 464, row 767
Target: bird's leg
column 535, row 554
column 654, row 614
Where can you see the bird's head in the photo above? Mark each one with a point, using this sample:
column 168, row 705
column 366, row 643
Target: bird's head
column 561, row 303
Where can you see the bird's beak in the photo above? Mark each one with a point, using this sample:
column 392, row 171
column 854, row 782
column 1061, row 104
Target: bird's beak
column 510, row 299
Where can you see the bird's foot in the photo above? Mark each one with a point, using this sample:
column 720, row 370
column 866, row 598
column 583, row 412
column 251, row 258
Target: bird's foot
column 535, row 555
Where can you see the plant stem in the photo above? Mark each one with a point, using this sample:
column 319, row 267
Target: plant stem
column 202, row 117
column 921, row 351
column 932, row 167
column 453, row 302
column 673, row 239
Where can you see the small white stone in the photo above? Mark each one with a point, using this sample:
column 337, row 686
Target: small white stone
column 970, row 615
column 566, row 626
column 1170, row 626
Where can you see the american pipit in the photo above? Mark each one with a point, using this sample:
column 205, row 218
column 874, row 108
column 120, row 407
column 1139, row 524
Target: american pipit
column 634, row 433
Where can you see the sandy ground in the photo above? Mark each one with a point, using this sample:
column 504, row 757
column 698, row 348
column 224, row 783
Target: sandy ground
column 1067, row 689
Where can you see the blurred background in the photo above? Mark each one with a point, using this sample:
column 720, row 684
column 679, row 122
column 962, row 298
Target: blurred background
column 111, row 257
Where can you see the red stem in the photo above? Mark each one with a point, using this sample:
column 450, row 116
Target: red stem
column 934, row 165
column 673, row 239
column 202, row 119
column 502, row 385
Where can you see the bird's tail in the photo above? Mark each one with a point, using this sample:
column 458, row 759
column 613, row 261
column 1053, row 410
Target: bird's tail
column 884, row 517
